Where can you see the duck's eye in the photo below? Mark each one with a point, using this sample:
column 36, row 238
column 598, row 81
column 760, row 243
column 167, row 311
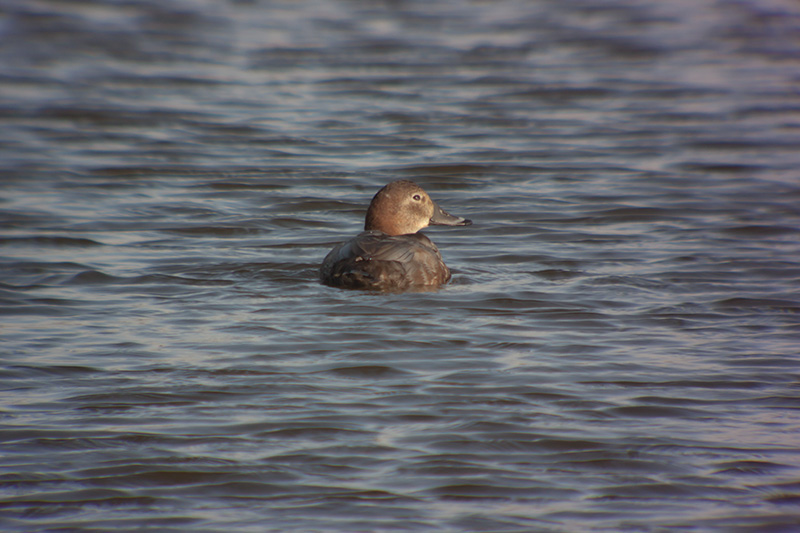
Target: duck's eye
column 417, row 197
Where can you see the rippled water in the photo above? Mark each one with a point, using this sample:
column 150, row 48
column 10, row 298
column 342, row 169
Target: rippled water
column 618, row 349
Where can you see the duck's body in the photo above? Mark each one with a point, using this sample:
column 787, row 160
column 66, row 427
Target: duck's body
column 390, row 255
column 376, row 261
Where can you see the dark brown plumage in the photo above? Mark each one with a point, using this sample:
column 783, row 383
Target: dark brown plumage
column 390, row 255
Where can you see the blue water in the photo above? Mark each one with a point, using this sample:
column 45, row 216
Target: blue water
column 617, row 349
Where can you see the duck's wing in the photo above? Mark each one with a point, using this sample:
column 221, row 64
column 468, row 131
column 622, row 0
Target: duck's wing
column 400, row 248
column 377, row 246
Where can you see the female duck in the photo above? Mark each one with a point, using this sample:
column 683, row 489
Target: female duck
column 390, row 255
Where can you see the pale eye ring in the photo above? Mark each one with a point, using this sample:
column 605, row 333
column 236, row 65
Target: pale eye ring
column 417, row 197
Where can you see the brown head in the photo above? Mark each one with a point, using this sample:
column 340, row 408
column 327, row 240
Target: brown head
column 402, row 207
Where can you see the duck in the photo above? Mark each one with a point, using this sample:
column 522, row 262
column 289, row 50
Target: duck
column 391, row 255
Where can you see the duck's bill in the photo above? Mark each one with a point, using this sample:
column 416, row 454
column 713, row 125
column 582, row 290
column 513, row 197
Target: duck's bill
column 443, row 218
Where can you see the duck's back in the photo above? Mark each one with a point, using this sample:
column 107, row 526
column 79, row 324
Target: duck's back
column 376, row 261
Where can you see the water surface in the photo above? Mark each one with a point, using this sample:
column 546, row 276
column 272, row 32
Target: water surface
column 617, row 350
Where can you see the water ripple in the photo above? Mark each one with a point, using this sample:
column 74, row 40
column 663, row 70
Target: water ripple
column 617, row 349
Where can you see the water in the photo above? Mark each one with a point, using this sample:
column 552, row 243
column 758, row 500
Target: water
column 617, row 350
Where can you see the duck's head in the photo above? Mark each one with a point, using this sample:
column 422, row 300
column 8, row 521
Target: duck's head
column 402, row 207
